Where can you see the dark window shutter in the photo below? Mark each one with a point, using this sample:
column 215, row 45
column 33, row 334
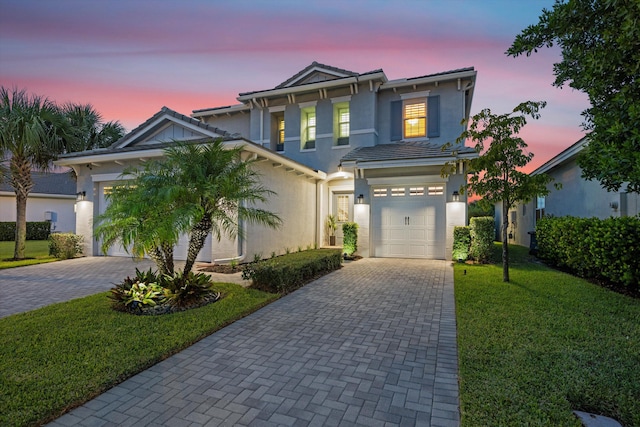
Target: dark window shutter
column 433, row 116
column 396, row 120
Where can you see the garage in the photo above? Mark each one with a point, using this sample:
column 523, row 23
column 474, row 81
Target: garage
column 408, row 221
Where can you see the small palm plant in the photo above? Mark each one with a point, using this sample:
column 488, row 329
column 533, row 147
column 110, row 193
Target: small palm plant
column 332, row 225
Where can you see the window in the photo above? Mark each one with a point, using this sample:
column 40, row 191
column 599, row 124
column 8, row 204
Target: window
column 343, row 126
column 342, row 212
column 540, row 205
column 379, row 192
column 416, row 191
column 395, row 192
column 416, row 115
column 415, row 120
column 308, row 128
column 277, row 130
column 436, row 190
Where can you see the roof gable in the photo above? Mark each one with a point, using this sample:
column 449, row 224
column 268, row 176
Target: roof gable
column 314, row 73
column 167, row 126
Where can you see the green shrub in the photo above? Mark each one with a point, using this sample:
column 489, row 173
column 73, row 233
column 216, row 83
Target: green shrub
column 461, row 243
column 350, row 238
column 482, row 231
column 149, row 293
column 65, row 245
column 35, row 231
column 602, row 249
column 287, row 273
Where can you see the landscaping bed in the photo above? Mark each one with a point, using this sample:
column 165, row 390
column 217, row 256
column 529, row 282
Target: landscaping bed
column 544, row 344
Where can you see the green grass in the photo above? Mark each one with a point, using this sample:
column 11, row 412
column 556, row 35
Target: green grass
column 546, row 343
column 38, row 250
column 62, row 355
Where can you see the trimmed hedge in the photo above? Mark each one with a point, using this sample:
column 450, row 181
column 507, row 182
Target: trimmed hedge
column 287, row 273
column 482, row 237
column 35, row 231
column 65, row 245
column 602, row 249
column 461, row 242
column 350, row 238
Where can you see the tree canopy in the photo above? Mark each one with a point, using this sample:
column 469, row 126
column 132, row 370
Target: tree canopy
column 494, row 174
column 600, row 44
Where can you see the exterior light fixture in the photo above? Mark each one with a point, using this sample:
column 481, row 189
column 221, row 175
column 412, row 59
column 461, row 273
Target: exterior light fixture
column 360, row 199
column 456, row 196
column 80, row 196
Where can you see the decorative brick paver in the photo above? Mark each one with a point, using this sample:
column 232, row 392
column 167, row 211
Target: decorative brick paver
column 371, row 344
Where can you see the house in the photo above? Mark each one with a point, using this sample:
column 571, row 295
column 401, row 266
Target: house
column 52, row 199
column 577, row 197
column 327, row 141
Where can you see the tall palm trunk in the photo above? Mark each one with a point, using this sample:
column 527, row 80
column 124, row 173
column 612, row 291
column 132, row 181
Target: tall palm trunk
column 163, row 258
column 22, row 185
column 197, row 237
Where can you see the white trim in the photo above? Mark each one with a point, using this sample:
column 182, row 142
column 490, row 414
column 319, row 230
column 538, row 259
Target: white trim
column 102, row 177
column 408, row 180
column 40, row 195
column 363, row 131
column 324, row 136
column 277, row 109
column 216, row 111
column 341, row 99
column 413, row 95
column 564, row 156
column 307, row 104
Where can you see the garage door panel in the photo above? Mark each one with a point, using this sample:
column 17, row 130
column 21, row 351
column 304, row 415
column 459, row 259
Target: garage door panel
column 409, row 226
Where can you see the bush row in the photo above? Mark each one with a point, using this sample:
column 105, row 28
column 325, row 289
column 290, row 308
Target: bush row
column 287, row 273
column 35, row 231
column 592, row 248
column 474, row 241
column 65, row 245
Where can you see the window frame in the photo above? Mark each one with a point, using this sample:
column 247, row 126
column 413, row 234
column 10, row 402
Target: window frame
column 421, row 118
column 308, row 113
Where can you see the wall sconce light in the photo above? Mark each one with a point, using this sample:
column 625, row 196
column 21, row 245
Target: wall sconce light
column 360, row 199
column 614, row 205
column 80, row 196
column 456, row 196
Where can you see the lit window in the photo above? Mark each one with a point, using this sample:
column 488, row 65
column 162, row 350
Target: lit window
column 437, row 190
column 415, row 120
column 311, row 126
column 397, row 192
column 343, row 123
column 416, row 191
column 281, row 130
column 342, row 213
column 380, row 192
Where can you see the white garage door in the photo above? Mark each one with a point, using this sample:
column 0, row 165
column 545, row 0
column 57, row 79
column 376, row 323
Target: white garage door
column 180, row 250
column 409, row 222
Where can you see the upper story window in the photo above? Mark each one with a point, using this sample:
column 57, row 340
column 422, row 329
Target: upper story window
column 280, row 141
column 415, row 119
column 416, row 115
column 277, row 129
column 308, row 128
column 343, row 126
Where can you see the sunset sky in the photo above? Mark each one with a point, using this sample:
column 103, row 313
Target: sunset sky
column 128, row 58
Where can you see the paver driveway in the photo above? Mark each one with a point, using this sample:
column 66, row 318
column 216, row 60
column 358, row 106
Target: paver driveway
column 371, row 344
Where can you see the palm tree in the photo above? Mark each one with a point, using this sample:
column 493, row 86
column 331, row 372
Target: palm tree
column 88, row 129
column 198, row 189
column 31, row 128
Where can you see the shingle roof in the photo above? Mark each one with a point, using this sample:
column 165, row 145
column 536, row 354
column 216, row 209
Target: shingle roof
column 48, row 183
column 403, row 151
column 442, row 73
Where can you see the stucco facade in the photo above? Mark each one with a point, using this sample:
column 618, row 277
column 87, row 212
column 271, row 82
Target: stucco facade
column 576, row 197
column 329, row 141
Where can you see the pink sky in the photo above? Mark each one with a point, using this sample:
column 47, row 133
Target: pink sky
column 128, row 58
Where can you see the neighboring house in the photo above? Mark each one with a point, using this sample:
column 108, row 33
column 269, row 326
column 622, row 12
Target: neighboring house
column 328, row 141
column 52, row 199
column 577, row 197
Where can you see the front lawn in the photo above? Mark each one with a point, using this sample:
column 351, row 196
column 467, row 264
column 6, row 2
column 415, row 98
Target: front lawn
column 62, row 355
column 37, row 250
column 547, row 343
